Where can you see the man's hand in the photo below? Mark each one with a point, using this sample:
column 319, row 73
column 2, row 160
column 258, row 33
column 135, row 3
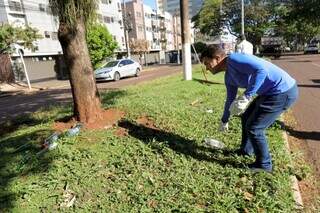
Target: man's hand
column 223, row 127
column 239, row 105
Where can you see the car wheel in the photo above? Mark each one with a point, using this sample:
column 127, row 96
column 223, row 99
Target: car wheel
column 116, row 76
column 137, row 72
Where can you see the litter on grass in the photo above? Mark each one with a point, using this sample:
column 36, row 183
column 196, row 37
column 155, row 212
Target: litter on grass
column 209, row 111
column 213, row 143
column 52, row 141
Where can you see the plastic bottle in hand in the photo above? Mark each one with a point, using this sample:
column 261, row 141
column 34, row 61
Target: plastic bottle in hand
column 212, row 143
column 74, row 131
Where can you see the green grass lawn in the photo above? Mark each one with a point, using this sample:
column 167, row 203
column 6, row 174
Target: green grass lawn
column 162, row 170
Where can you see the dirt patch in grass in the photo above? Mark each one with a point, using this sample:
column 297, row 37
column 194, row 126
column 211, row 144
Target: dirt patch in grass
column 109, row 118
column 147, row 122
column 121, row 132
column 143, row 121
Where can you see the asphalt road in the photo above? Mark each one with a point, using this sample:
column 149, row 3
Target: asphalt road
column 306, row 70
column 59, row 93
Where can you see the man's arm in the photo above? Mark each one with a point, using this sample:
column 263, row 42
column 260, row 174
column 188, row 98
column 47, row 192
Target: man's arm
column 231, row 95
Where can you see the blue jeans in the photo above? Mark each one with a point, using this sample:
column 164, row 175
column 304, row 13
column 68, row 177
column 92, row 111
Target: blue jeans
column 260, row 114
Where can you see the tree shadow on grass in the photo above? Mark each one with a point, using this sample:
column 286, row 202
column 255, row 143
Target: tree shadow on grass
column 178, row 144
column 202, row 81
column 18, row 159
column 108, row 97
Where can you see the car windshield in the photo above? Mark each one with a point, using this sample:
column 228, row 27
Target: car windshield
column 111, row 64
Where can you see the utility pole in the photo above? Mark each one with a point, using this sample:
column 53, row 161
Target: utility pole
column 186, row 46
column 176, row 36
column 126, row 28
column 242, row 18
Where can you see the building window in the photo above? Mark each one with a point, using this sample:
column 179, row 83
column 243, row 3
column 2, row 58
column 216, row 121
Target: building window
column 42, row 7
column 112, row 20
column 114, row 38
column 119, row 7
column 54, row 36
column 106, row 19
column 46, row 34
column 139, row 28
column 18, row 15
column 104, row 1
column 138, row 14
column 122, row 39
column 49, row 11
column 15, row 6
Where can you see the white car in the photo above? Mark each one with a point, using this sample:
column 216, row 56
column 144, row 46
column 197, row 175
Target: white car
column 313, row 47
column 114, row 70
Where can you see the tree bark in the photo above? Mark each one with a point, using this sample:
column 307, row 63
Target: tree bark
column 6, row 72
column 86, row 99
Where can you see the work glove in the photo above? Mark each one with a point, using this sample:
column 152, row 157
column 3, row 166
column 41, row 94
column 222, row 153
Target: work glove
column 223, row 127
column 239, row 105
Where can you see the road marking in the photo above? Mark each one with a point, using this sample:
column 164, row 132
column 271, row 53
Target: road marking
column 318, row 65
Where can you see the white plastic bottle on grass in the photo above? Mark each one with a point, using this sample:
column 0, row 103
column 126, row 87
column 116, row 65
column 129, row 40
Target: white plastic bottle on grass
column 74, row 131
column 212, row 143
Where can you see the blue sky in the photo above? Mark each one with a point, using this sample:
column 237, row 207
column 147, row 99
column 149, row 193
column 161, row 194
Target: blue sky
column 151, row 3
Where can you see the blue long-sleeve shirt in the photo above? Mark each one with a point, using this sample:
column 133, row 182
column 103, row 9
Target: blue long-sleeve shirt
column 256, row 75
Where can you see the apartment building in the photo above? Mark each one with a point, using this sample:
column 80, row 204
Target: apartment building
column 110, row 14
column 36, row 14
column 152, row 34
column 134, row 13
column 157, row 27
column 169, row 31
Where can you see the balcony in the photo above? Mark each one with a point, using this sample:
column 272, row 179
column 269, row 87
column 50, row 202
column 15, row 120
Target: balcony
column 155, row 36
column 163, row 40
column 155, row 23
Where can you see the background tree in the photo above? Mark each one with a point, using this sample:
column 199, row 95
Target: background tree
column 302, row 20
column 100, row 44
column 74, row 17
column 257, row 18
column 307, row 10
column 282, row 18
column 141, row 47
column 10, row 35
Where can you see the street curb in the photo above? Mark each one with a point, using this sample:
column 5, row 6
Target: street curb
column 295, row 186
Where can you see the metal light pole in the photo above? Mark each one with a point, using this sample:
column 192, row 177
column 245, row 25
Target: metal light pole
column 19, row 52
column 186, row 46
column 242, row 18
column 177, row 38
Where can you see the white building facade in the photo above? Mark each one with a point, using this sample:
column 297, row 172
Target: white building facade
column 151, row 28
column 170, row 35
column 110, row 14
column 36, row 14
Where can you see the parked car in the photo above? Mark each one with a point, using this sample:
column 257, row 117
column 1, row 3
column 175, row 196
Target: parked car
column 272, row 46
column 312, row 47
column 114, row 70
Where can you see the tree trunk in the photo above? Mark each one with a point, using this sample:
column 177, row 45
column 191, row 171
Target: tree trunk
column 86, row 99
column 6, row 72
